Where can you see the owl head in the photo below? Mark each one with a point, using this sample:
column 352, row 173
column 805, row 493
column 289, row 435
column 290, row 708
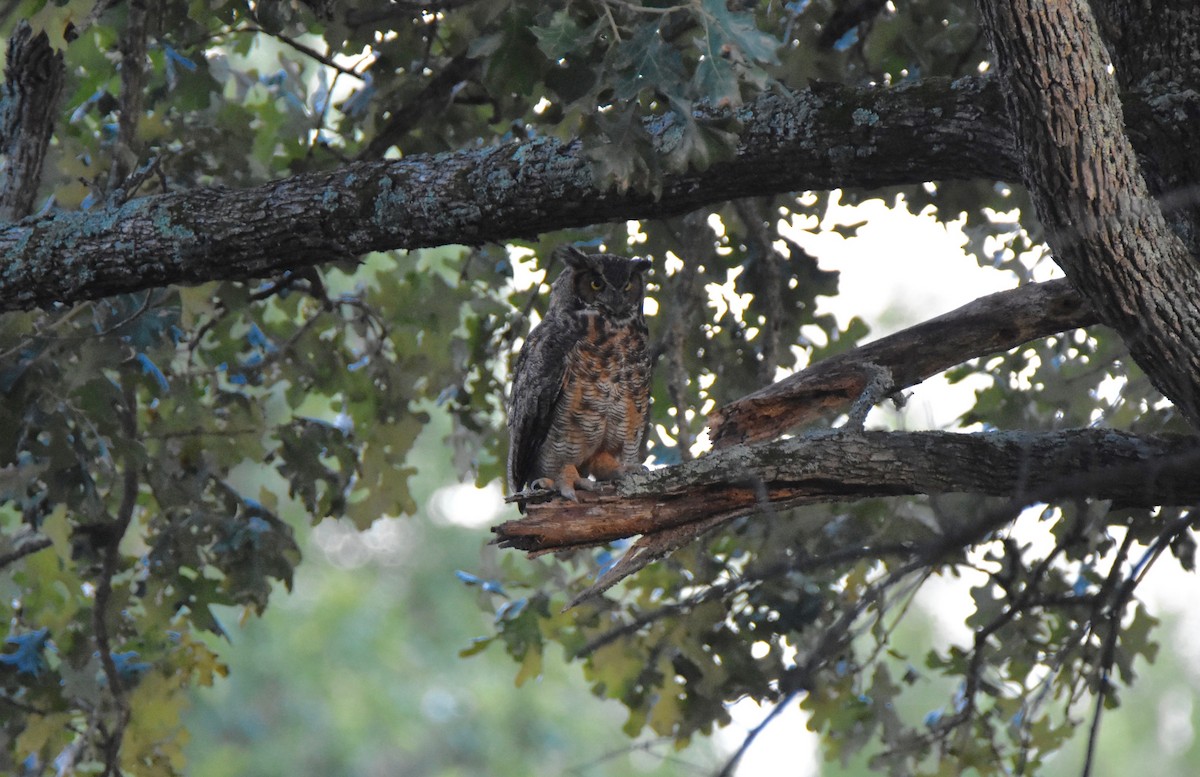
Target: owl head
column 603, row 283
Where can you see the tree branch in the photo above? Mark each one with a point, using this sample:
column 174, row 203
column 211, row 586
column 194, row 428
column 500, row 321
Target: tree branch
column 820, row 138
column 24, row 546
column 736, row 481
column 307, row 51
column 110, row 560
column 33, row 80
column 730, row 767
column 133, row 87
column 988, row 325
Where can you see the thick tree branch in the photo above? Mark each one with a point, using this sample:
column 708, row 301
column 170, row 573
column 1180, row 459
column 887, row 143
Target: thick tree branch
column 33, row 80
column 1108, row 234
column 985, row 326
column 817, row 139
column 740, row 479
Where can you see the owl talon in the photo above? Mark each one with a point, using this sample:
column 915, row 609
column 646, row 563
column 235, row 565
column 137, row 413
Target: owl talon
column 540, row 490
column 564, row 487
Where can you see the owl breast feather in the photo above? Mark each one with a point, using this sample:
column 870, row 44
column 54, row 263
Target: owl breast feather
column 606, row 390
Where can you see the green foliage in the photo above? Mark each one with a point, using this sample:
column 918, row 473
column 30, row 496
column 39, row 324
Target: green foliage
column 160, row 453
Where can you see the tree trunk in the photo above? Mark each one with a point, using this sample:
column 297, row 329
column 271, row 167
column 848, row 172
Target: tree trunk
column 33, row 80
column 1107, row 232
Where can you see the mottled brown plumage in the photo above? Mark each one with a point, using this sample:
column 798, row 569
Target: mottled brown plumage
column 581, row 388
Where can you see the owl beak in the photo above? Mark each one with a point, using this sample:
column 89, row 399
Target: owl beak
column 610, row 301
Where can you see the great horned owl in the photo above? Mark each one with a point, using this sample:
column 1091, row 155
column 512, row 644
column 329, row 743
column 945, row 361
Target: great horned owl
column 581, row 388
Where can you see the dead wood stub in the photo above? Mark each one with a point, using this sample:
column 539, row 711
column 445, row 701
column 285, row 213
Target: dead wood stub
column 599, row 518
column 988, row 325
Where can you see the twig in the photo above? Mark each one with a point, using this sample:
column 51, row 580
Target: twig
column 838, row 634
column 1028, row 598
column 41, row 332
column 648, row 549
column 1107, row 652
column 29, row 709
column 612, row 24
column 731, row 764
column 27, row 548
column 307, row 51
column 805, row 565
column 1094, row 728
column 879, row 379
column 645, row 747
column 638, row 8
column 193, row 433
column 139, row 176
column 1123, row 597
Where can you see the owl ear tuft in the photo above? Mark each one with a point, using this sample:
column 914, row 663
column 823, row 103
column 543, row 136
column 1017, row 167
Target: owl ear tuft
column 574, row 257
column 640, row 263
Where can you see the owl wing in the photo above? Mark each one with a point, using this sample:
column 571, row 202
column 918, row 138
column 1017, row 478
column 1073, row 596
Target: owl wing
column 537, row 387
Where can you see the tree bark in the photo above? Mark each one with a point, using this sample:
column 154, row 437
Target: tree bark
column 33, row 80
column 1151, row 40
column 821, row 138
column 133, row 85
column 1153, row 46
column 1107, row 232
column 1027, row 467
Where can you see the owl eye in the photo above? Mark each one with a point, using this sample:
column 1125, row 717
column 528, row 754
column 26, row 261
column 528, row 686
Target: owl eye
column 596, row 285
column 628, row 285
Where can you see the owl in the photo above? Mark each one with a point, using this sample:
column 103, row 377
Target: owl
column 581, row 387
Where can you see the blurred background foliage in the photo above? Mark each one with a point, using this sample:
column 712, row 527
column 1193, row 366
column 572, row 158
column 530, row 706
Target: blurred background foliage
column 358, row 670
column 163, row 455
